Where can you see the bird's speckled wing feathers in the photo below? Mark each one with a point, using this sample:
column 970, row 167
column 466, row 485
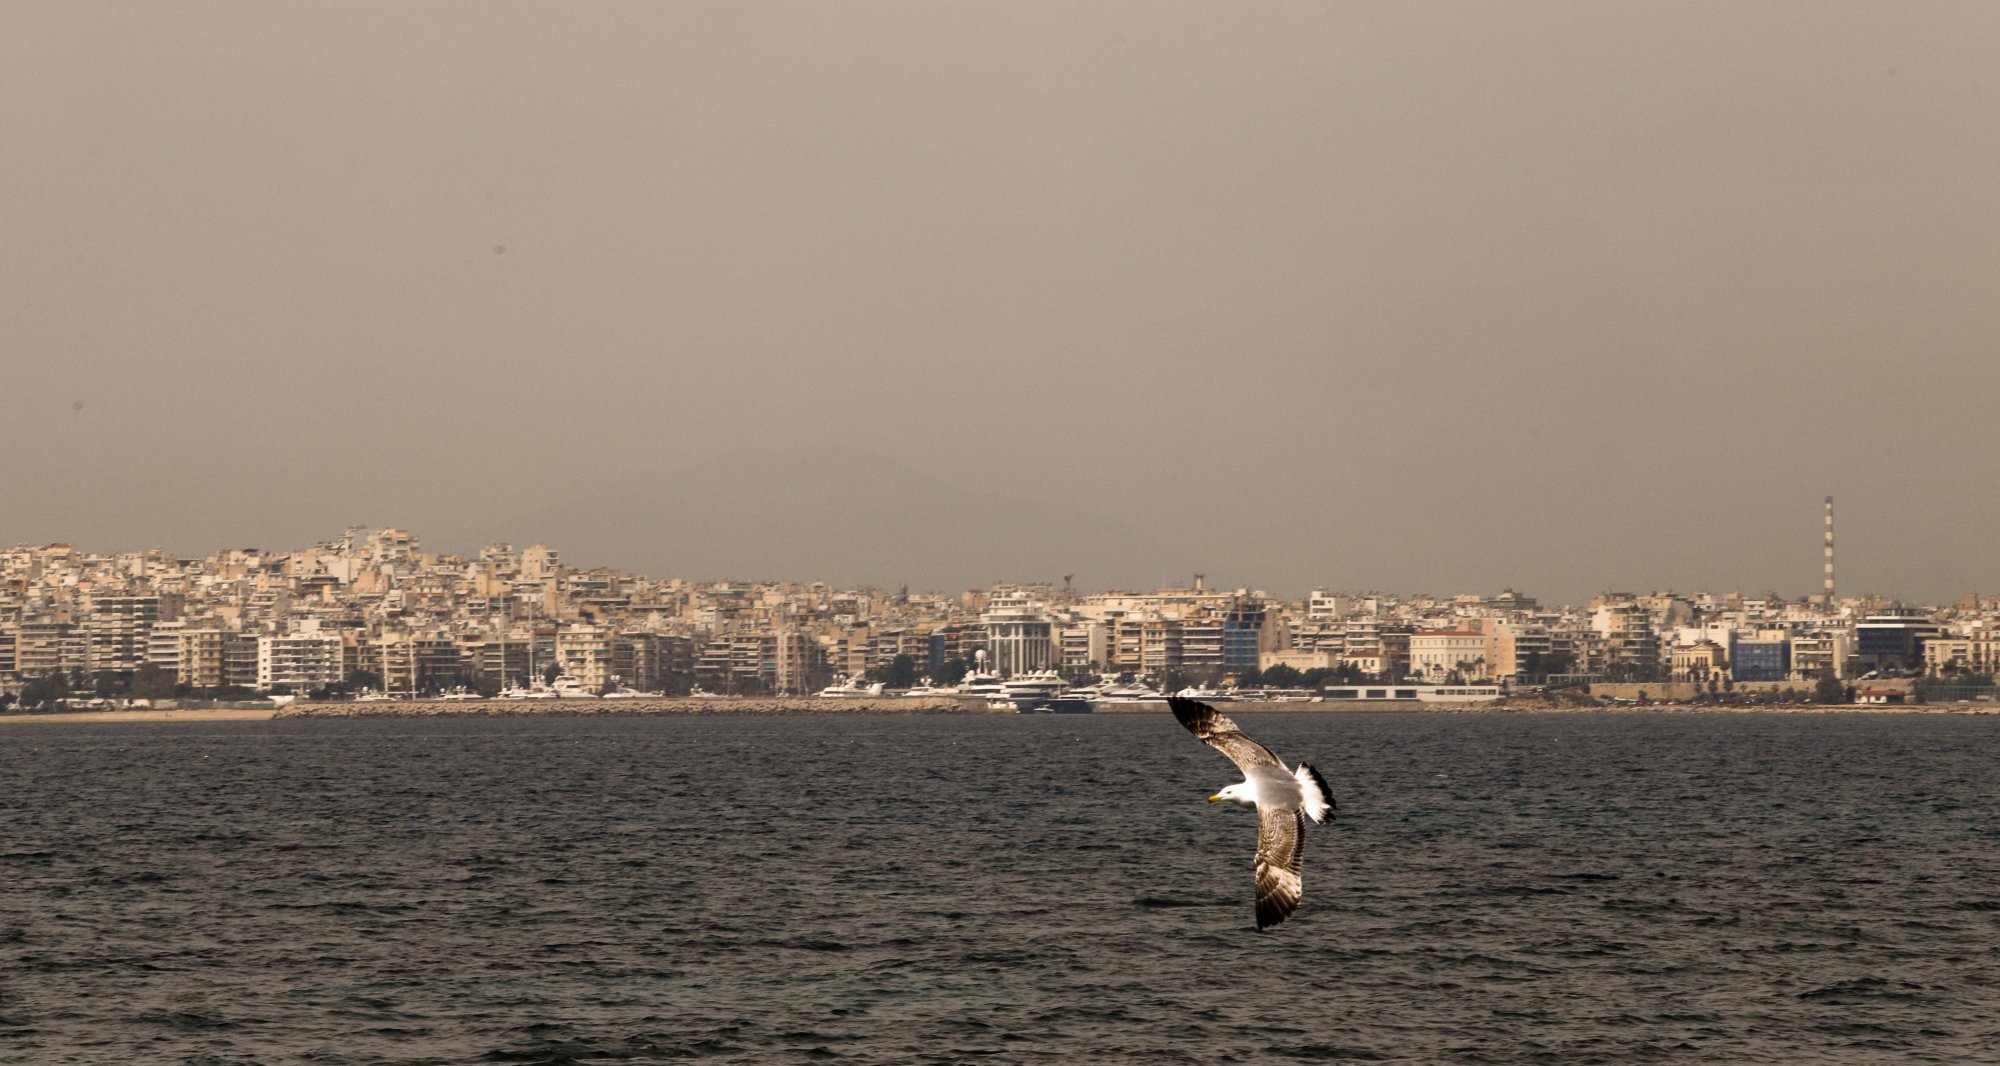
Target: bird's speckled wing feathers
column 1281, row 849
column 1218, row 732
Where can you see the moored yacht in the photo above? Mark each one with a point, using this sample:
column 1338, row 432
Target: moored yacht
column 1038, row 685
column 567, row 687
column 1130, row 692
column 981, row 684
column 531, row 690
column 1209, row 695
column 849, row 687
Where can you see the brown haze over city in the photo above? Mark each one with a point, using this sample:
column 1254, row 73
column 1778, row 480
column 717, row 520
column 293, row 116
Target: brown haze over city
column 1440, row 297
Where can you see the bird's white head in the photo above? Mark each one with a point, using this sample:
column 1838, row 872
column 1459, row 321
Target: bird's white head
column 1238, row 794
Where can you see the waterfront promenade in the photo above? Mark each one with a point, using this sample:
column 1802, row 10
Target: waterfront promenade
column 754, row 705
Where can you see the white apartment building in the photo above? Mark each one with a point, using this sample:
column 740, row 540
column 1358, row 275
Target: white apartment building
column 298, row 663
column 1324, row 606
column 1020, row 639
column 1440, row 652
column 163, row 647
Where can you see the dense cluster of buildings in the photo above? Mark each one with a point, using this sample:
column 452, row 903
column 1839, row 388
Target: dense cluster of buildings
column 373, row 608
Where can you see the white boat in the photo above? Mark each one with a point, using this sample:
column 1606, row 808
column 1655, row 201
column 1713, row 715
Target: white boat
column 634, row 694
column 849, row 687
column 1130, row 692
column 533, row 690
column 460, row 693
column 1035, row 686
column 981, row 685
column 926, row 689
column 1277, row 695
column 369, row 695
column 1209, row 695
column 567, row 687
column 699, row 693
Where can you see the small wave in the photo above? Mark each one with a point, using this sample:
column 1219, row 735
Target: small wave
column 1864, row 988
column 807, row 944
column 184, row 1019
column 1327, row 1053
column 1524, row 890
column 1164, row 902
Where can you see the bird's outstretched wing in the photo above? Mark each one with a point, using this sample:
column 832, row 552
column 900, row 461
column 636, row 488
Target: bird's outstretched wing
column 1281, row 848
column 1218, row 732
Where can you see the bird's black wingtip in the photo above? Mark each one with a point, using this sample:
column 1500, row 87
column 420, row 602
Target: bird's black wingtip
column 1325, row 790
column 1188, row 711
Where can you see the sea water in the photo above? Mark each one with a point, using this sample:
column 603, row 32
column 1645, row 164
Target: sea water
column 1497, row 889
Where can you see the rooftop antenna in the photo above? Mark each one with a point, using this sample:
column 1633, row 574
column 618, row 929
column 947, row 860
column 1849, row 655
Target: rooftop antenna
column 1829, row 553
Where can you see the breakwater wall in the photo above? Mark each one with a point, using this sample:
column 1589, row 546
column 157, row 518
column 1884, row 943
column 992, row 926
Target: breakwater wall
column 1681, row 691
column 717, row 705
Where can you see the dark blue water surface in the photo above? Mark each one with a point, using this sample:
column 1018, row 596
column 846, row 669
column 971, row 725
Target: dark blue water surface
column 1498, row 889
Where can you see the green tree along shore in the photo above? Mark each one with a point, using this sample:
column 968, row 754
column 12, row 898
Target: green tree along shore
column 58, row 690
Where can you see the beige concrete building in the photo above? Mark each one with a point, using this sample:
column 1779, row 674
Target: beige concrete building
column 1813, row 654
column 203, row 655
column 1700, row 662
column 408, row 662
column 43, row 648
column 1439, row 653
column 1083, row 646
column 1950, row 655
column 1514, row 649
column 584, row 652
column 1300, row 659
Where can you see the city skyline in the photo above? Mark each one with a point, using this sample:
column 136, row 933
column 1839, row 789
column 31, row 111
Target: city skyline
column 372, row 608
column 1069, row 580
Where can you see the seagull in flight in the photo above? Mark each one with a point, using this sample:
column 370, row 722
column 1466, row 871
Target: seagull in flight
column 1283, row 799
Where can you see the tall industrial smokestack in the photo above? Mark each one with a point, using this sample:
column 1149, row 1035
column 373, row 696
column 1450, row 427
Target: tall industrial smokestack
column 1829, row 551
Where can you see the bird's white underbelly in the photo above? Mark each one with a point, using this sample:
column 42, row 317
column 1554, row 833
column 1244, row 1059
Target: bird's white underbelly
column 1276, row 787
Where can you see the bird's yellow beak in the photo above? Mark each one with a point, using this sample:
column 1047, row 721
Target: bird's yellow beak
column 1215, row 799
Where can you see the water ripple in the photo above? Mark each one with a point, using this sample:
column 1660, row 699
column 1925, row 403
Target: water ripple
column 1498, row 889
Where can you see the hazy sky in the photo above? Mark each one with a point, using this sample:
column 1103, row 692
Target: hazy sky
column 1424, row 297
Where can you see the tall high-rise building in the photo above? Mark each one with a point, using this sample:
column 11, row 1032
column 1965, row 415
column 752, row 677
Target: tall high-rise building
column 1020, row 638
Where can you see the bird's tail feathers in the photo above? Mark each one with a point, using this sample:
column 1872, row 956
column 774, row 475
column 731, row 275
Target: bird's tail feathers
column 1319, row 805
